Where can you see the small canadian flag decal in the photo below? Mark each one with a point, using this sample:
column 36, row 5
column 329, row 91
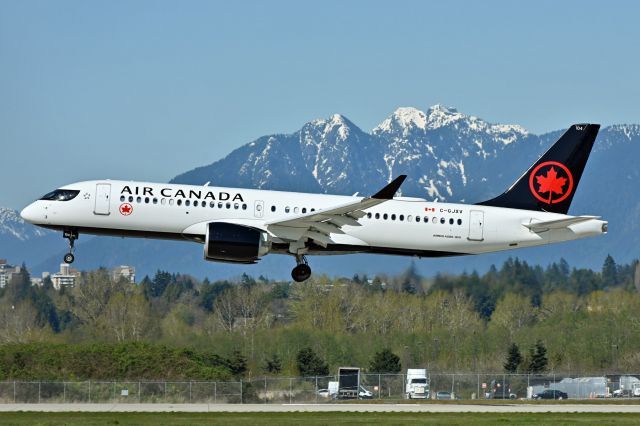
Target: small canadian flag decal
column 429, row 209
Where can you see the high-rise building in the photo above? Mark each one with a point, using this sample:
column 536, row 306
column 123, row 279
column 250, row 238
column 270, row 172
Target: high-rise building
column 124, row 271
column 65, row 278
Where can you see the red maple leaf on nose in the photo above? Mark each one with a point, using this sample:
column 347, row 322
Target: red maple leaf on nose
column 551, row 183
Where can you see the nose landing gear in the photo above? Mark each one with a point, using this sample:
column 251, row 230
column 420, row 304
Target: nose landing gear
column 302, row 271
column 72, row 236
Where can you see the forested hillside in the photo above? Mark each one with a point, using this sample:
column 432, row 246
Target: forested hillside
column 179, row 327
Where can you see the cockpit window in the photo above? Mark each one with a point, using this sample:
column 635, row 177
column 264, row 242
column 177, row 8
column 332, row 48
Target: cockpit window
column 61, row 195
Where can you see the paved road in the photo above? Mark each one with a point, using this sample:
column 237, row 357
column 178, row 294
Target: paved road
column 410, row 408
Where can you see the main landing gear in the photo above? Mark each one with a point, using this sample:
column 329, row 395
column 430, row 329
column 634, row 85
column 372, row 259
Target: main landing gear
column 72, row 236
column 302, row 271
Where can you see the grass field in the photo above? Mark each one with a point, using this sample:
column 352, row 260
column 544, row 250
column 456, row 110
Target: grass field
column 309, row 419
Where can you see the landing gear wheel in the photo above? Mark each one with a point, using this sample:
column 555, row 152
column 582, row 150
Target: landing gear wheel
column 300, row 273
column 72, row 236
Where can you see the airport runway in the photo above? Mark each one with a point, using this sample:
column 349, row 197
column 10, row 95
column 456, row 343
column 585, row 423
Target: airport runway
column 407, row 408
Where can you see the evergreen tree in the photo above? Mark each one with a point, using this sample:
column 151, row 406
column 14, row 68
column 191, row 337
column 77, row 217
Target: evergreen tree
column 410, row 280
column 310, row 364
column 19, row 286
column 609, row 273
column 237, row 363
column 385, row 361
column 514, row 359
column 539, row 360
column 157, row 286
column 273, row 365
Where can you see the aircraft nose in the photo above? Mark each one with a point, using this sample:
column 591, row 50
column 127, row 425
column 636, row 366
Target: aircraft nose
column 29, row 214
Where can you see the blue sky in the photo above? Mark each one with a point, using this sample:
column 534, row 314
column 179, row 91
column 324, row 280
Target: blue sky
column 146, row 90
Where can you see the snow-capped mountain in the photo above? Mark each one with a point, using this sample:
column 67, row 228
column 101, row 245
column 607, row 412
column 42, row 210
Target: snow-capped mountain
column 11, row 224
column 21, row 241
column 447, row 155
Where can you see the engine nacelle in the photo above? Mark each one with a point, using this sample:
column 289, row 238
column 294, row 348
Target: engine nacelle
column 228, row 242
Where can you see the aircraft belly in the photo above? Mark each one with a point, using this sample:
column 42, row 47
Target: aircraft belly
column 411, row 236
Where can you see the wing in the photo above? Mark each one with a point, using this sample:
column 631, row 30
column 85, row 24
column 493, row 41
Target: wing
column 558, row 224
column 319, row 225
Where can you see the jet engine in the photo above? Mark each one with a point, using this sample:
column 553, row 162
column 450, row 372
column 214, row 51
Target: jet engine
column 229, row 242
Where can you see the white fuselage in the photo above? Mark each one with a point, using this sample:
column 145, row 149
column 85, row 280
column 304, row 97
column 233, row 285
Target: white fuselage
column 400, row 226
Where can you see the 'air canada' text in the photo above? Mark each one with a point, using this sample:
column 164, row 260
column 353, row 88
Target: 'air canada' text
column 179, row 193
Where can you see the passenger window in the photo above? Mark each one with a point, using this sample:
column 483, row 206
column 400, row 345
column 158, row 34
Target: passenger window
column 195, row 203
column 163, row 201
column 313, row 210
column 219, row 205
column 122, row 198
column 287, row 209
column 304, row 210
column 442, row 220
column 155, row 201
column 385, row 216
column 236, row 206
column 244, row 207
column 368, row 215
column 273, row 208
column 418, row 219
column 187, row 203
column 434, row 220
column 401, row 217
column 377, row 215
column 170, row 201
column 228, row 205
column 139, row 200
column 130, row 199
column 409, row 218
column 212, row 204
column 459, row 221
column 179, row 202
column 295, row 210
column 393, row 217
column 451, row 221
column 146, row 200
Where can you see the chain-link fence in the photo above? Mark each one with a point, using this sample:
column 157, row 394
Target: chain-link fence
column 120, row 392
column 440, row 386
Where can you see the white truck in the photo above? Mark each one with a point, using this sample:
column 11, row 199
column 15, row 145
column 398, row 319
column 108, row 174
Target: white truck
column 417, row 384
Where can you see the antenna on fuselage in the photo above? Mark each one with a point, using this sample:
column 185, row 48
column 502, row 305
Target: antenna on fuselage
column 207, row 184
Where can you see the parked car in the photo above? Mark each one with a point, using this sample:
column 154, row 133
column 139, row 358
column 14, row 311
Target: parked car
column 443, row 395
column 550, row 394
column 365, row 393
column 324, row 393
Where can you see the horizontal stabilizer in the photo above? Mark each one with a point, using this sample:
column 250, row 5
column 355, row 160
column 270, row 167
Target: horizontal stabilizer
column 558, row 224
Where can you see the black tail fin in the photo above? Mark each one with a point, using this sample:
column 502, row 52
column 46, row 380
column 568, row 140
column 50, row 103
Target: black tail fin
column 549, row 185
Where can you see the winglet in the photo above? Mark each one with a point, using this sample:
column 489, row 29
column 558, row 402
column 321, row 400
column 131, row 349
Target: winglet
column 390, row 190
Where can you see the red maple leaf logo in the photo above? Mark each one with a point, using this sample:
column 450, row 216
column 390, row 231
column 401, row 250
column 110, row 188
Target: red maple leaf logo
column 126, row 209
column 551, row 183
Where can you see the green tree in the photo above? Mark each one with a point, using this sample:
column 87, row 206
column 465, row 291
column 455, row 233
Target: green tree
column 385, row 361
column 539, row 360
column 310, row 364
column 237, row 363
column 273, row 365
column 609, row 273
column 514, row 359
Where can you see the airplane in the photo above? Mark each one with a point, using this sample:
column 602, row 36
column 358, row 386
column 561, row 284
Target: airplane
column 240, row 225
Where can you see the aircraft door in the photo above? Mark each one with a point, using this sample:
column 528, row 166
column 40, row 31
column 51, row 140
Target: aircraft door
column 258, row 210
column 476, row 225
column 103, row 194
